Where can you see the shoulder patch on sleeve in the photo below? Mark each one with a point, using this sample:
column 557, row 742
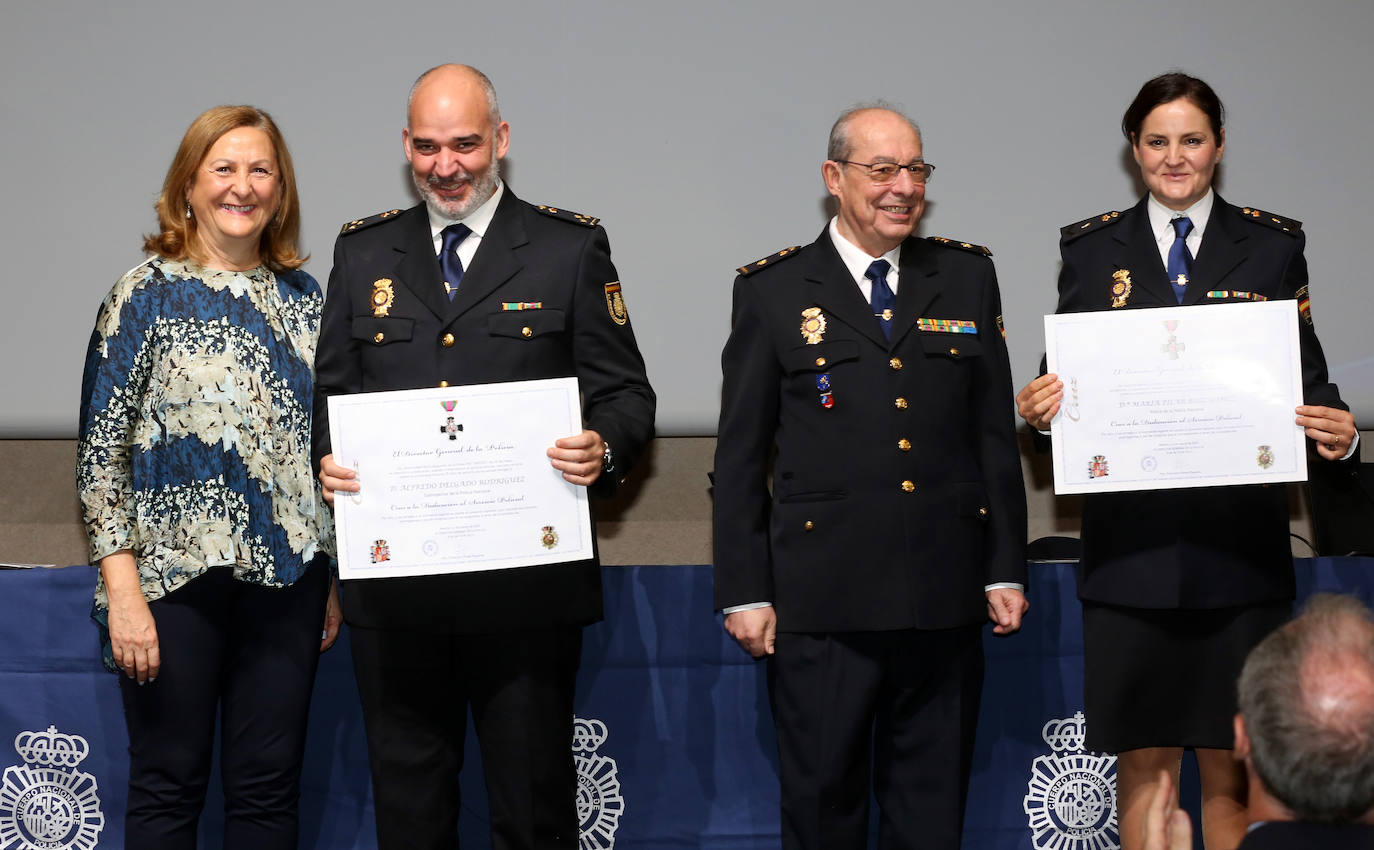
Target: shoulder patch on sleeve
column 1278, row 222
column 568, row 215
column 768, row 261
column 362, row 223
column 962, row 246
column 1304, row 303
column 1078, row 228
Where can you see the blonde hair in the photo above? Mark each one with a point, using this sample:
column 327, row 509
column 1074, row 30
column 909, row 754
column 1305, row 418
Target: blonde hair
column 279, row 249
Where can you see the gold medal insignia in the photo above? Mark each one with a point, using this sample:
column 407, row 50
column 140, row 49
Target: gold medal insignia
column 615, row 303
column 813, row 325
column 382, row 296
column 1121, row 287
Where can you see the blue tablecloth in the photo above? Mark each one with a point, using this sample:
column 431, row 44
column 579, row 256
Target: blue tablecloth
column 675, row 745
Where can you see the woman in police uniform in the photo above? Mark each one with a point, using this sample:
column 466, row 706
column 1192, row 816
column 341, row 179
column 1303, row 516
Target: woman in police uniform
column 1178, row 585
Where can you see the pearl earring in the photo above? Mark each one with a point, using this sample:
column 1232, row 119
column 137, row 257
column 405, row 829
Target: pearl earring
column 188, row 209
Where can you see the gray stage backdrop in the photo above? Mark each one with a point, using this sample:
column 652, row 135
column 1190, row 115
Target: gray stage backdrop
column 695, row 131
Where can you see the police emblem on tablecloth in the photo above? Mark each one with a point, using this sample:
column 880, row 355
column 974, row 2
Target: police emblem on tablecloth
column 1265, row 457
column 599, row 804
column 548, row 537
column 47, row 804
column 1071, row 795
column 1097, row 467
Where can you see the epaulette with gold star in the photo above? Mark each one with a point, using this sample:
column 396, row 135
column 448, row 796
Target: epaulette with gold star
column 568, row 215
column 1070, row 232
column 963, row 246
column 771, row 259
column 1287, row 225
column 363, row 223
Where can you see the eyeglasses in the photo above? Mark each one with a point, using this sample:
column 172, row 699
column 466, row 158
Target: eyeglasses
column 882, row 173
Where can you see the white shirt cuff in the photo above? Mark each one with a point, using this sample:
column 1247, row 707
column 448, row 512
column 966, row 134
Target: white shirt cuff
column 1008, row 585
column 749, row 607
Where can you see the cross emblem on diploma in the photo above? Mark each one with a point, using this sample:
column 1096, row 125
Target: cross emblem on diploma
column 1173, row 347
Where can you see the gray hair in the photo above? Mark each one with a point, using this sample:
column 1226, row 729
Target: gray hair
column 493, row 108
column 1307, row 696
column 839, row 147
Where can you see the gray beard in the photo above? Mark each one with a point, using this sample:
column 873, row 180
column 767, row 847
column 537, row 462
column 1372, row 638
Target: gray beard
column 481, row 191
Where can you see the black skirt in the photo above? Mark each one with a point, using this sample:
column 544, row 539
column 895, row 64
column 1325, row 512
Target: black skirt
column 1167, row 678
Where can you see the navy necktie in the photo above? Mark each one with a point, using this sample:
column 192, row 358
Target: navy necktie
column 882, row 299
column 449, row 264
column 1180, row 259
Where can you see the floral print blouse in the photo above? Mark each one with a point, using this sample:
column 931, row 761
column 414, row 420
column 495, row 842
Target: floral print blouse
column 194, row 442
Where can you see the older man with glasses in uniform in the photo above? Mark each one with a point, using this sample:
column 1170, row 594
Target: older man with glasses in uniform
column 874, row 363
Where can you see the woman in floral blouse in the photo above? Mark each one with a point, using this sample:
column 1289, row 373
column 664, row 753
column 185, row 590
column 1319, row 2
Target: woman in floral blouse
column 200, row 506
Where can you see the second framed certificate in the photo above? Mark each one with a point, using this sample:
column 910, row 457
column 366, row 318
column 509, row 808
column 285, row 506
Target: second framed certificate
column 1177, row 397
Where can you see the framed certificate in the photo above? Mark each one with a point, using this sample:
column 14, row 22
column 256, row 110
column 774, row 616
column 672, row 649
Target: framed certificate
column 1177, row 397
column 456, row 479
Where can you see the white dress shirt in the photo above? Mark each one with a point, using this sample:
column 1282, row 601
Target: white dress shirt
column 477, row 222
column 857, row 261
column 1161, row 224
